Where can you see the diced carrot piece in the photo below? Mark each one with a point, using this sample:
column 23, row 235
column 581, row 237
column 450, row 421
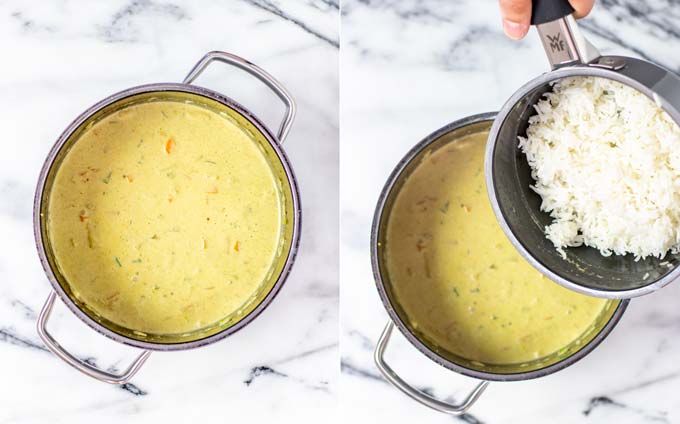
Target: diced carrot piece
column 83, row 216
column 128, row 177
column 169, row 145
column 236, row 246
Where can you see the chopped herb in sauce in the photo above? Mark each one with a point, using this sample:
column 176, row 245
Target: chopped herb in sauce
column 90, row 241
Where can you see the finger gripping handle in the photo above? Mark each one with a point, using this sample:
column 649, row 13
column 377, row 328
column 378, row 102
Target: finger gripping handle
column 544, row 11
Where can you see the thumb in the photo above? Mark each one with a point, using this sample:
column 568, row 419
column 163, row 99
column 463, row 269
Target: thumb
column 516, row 17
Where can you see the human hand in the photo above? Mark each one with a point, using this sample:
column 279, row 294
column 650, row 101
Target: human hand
column 517, row 15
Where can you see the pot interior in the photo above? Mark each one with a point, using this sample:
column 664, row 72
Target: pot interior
column 409, row 324
column 277, row 258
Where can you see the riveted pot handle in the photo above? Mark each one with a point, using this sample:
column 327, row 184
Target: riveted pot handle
column 418, row 395
column 561, row 37
column 257, row 72
column 79, row 364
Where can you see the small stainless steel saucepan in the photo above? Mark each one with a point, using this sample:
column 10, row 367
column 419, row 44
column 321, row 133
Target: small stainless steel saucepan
column 269, row 143
column 508, row 176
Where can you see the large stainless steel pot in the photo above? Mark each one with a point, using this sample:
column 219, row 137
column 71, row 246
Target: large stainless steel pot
column 485, row 372
column 271, row 146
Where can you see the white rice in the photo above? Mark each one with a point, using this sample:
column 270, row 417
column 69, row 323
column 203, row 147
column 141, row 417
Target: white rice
column 606, row 161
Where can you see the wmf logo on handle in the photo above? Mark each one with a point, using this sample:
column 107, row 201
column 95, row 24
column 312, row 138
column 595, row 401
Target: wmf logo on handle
column 556, row 43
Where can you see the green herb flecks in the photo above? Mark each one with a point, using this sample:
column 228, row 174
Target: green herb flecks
column 426, row 261
column 90, row 240
column 118, row 261
column 107, row 179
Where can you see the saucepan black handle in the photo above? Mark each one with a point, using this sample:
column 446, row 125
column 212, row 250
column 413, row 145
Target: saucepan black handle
column 544, row 11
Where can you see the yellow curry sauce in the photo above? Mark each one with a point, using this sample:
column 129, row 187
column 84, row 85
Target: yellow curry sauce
column 164, row 217
column 460, row 281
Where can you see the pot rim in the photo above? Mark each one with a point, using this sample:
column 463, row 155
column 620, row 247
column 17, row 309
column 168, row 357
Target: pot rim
column 387, row 303
column 167, row 87
column 564, row 72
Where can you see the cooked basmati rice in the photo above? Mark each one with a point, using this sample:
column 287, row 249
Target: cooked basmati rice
column 606, row 161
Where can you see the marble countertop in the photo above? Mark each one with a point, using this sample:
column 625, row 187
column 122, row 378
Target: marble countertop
column 60, row 57
column 409, row 67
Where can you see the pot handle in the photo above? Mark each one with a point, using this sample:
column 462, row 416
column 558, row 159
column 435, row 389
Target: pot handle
column 562, row 40
column 412, row 392
column 79, row 364
column 257, row 72
column 543, row 11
